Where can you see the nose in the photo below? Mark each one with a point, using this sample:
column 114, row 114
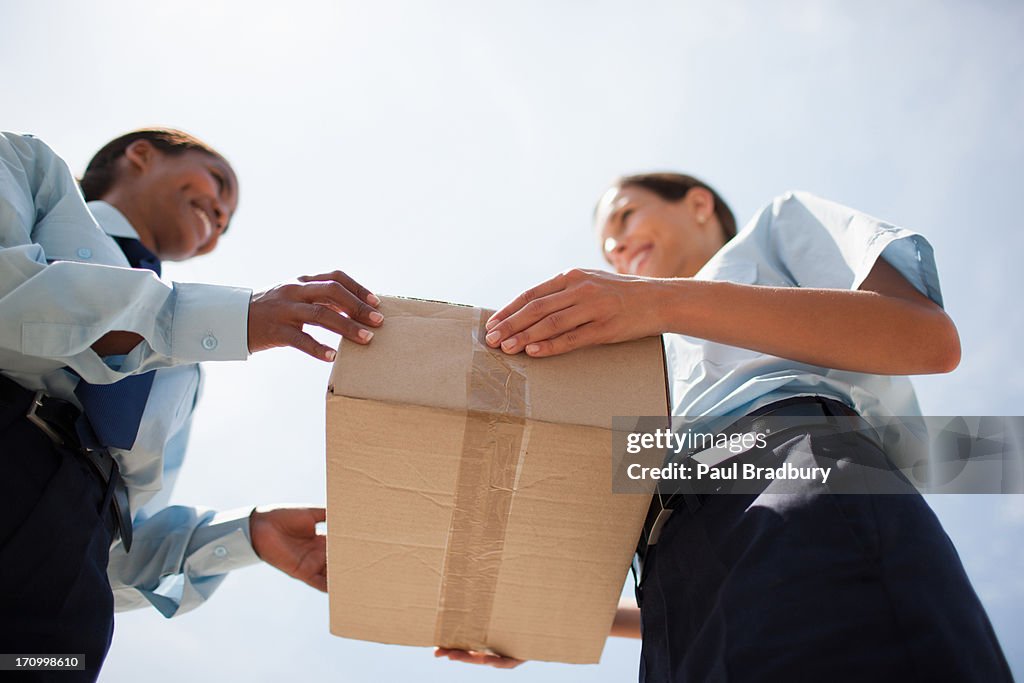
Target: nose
column 221, row 216
column 614, row 250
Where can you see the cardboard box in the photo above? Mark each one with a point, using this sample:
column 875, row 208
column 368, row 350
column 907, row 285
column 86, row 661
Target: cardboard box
column 469, row 494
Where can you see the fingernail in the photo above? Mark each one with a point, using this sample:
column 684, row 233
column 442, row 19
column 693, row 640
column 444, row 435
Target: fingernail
column 365, row 335
column 490, row 323
column 373, row 299
column 376, row 317
column 508, row 344
column 532, row 348
column 492, row 337
column 330, row 354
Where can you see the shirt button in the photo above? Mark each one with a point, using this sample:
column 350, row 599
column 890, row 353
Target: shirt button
column 85, row 252
column 209, row 342
column 220, row 551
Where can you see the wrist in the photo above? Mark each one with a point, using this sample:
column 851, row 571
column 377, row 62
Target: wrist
column 255, row 519
column 248, row 329
column 670, row 302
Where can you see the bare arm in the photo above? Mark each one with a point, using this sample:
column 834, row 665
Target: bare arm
column 627, row 620
column 885, row 327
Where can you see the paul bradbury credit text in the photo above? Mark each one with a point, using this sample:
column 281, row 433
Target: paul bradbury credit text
column 735, row 471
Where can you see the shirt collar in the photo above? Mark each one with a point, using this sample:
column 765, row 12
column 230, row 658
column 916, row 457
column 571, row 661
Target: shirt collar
column 111, row 220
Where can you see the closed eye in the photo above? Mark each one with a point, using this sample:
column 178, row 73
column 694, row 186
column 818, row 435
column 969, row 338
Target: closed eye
column 221, row 184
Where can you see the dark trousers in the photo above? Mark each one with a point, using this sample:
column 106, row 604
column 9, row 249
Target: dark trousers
column 55, row 533
column 812, row 586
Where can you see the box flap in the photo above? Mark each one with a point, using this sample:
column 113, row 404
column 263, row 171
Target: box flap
column 421, row 353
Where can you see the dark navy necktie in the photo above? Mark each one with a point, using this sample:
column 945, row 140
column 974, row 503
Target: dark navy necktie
column 115, row 410
column 138, row 256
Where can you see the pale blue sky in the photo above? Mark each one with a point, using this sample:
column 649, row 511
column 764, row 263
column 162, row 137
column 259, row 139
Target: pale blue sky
column 454, row 150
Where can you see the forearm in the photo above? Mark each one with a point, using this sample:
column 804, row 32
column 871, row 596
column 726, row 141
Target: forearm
column 198, row 546
column 627, row 620
column 66, row 312
column 860, row 331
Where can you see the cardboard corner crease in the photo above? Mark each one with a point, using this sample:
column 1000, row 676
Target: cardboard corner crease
column 469, row 493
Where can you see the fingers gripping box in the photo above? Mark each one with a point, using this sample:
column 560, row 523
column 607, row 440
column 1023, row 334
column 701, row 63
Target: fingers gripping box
column 469, row 493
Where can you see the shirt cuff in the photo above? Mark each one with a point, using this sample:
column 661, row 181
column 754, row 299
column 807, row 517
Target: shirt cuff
column 211, row 322
column 224, row 543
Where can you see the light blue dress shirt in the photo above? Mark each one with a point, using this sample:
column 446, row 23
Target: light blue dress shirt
column 64, row 283
column 52, row 312
column 179, row 555
column 799, row 240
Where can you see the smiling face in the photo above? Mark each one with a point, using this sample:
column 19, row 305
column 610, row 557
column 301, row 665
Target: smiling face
column 643, row 234
column 179, row 203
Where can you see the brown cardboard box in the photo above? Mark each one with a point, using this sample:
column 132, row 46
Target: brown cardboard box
column 469, row 494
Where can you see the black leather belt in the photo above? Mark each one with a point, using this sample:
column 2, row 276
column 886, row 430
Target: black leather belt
column 812, row 409
column 57, row 419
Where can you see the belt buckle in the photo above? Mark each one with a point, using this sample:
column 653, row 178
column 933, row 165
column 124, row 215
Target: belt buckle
column 36, row 404
column 654, row 530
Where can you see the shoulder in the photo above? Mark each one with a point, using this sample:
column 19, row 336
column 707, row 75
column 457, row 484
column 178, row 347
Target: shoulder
column 798, row 214
column 799, row 201
column 28, row 152
column 790, row 230
column 779, row 209
column 24, row 143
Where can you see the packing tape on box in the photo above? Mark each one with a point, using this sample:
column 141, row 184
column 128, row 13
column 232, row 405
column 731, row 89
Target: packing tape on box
column 494, row 444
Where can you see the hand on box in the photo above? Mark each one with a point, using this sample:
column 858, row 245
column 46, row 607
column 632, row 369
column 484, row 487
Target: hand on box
column 333, row 301
column 497, row 661
column 286, row 538
column 575, row 309
column 625, row 625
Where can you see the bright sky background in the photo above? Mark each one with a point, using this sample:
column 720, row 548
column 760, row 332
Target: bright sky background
column 454, row 150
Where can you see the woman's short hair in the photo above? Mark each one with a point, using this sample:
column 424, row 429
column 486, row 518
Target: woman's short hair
column 100, row 174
